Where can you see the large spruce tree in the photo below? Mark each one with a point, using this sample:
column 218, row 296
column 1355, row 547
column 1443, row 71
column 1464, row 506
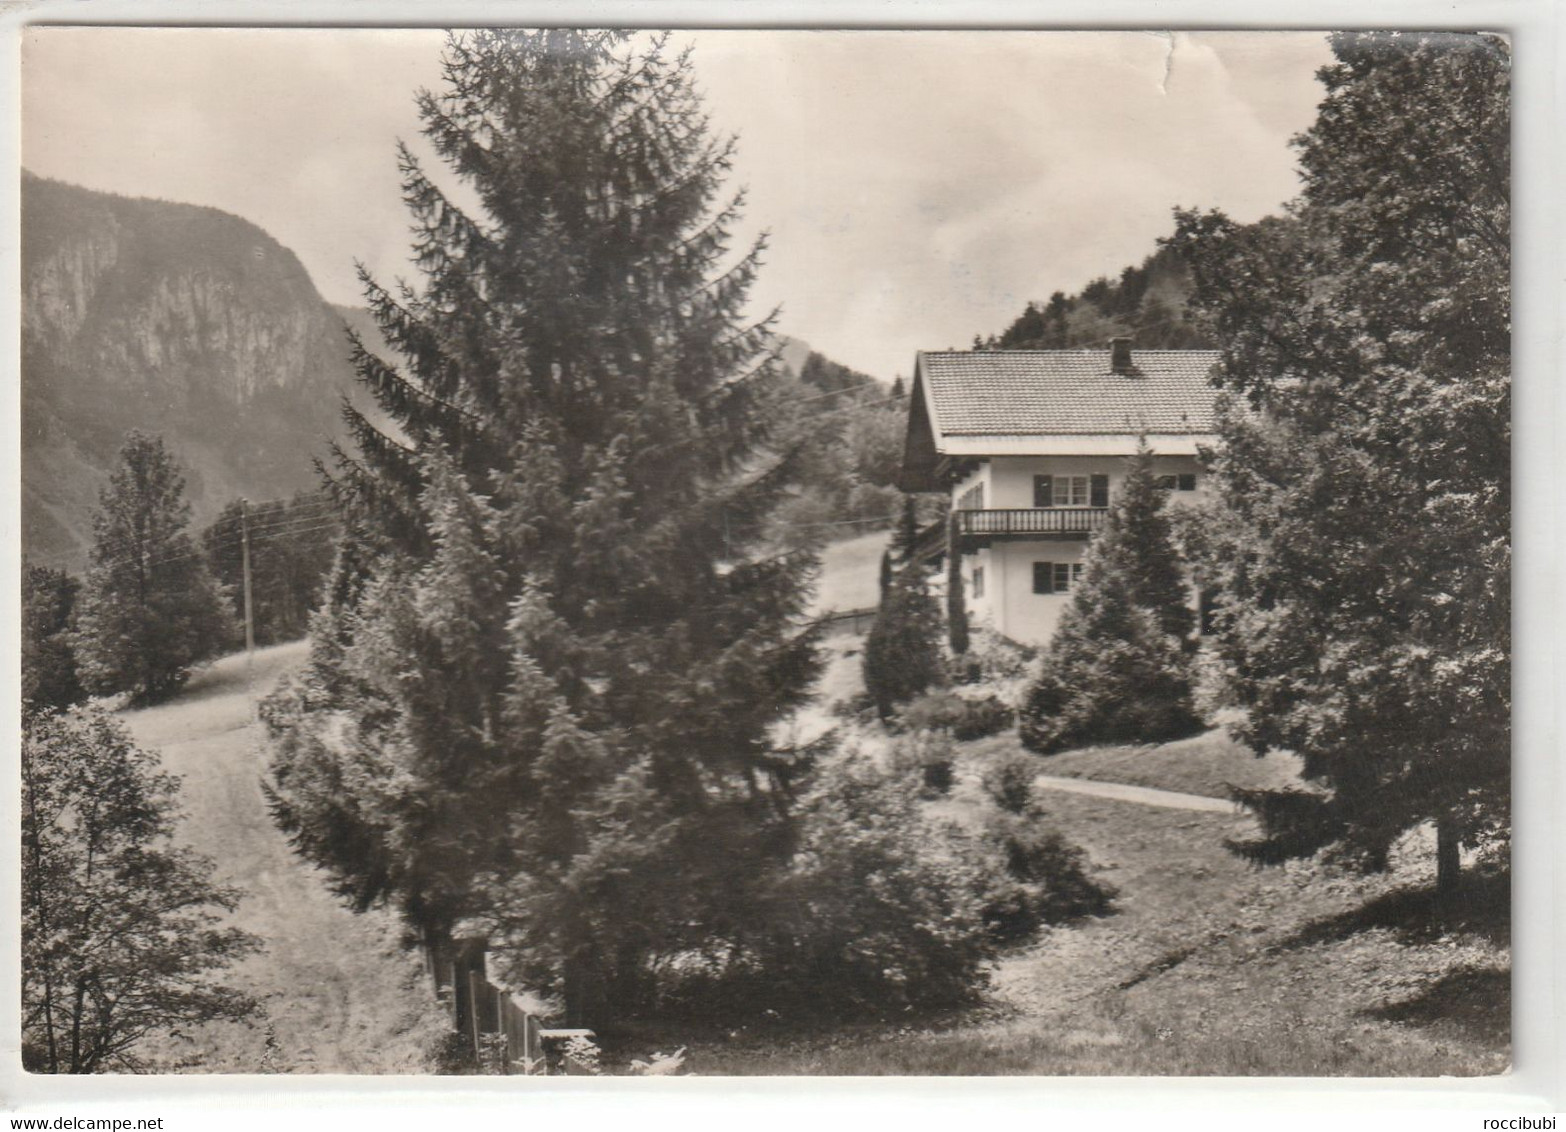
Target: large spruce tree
column 1362, row 541
column 539, row 701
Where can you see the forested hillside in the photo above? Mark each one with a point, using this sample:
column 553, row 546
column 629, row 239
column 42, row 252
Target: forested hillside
column 1147, row 302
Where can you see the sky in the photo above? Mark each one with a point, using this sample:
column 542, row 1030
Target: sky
column 917, row 187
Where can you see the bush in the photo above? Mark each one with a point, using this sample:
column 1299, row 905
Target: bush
column 1128, row 690
column 963, row 718
column 880, row 912
column 1008, row 780
column 1041, row 879
column 927, row 756
column 1111, row 691
column 999, row 658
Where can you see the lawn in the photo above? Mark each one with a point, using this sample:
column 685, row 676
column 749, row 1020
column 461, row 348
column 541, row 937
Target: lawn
column 339, row 993
column 1207, row 966
column 1203, row 764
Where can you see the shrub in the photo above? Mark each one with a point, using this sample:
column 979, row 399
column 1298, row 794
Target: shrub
column 1041, row 879
column 963, row 718
column 1130, row 689
column 999, row 658
column 928, row 756
column 1008, row 780
column 879, row 912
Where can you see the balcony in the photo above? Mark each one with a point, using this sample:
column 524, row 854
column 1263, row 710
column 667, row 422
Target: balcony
column 977, row 528
column 1030, row 522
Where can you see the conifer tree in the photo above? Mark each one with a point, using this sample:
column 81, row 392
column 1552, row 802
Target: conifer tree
column 150, row 609
column 538, row 707
column 902, row 651
column 1118, row 668
column 906, row 533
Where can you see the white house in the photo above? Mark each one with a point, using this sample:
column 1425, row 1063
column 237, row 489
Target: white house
column 1032, row 446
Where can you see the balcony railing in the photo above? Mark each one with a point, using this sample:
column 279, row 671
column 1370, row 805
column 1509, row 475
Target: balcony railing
column 1024, row 521
column 1007, row 522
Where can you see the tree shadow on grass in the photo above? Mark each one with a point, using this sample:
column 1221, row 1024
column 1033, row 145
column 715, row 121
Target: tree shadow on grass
column 1480, row 906
column 1476, row 1001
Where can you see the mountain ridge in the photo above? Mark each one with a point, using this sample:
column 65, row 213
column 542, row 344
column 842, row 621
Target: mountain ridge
column 172, row 318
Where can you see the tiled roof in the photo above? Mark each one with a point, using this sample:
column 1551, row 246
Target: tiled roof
column 1029, row 392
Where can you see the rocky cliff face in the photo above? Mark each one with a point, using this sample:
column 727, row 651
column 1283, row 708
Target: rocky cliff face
column 168, row 318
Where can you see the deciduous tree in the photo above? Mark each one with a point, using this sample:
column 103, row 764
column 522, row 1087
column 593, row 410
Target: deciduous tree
column 49, row 677
column 1362, row 537
column 122, row 933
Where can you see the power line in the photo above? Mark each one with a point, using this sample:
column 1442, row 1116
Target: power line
column 839, row 392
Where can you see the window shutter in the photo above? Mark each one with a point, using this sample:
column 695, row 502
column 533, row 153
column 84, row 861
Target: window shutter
column 1043, row 491
column 1099, row 492
column 1043, row 577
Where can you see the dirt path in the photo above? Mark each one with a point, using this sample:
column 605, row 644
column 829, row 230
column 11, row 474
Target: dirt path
column 340, row 995
column 1144, row 795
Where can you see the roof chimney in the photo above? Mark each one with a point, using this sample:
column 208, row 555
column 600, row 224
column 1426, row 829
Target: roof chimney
column 1120, row 356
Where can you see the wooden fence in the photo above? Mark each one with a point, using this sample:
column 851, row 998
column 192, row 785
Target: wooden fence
column 849, row 620
column 493, row 1023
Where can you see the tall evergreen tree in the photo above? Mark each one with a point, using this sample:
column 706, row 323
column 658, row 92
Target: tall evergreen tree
column 1118, row 667
column 539, row 708
column 1362, row 540
column 150, row 609
column 903, row 648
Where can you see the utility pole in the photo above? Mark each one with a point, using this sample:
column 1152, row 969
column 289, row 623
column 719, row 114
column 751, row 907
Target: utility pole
column 244, row 558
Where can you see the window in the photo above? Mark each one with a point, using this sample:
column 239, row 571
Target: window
column 1071, row 491
column 978, row 581
column 1188, row 481
column 1167, row 483
column 1185, row 481
column 1056, row 577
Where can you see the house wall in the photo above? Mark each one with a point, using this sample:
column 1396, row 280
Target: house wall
column 1010, row 478
column 1009, row 604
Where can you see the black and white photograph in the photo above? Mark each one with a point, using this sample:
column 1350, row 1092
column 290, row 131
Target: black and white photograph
column 743, row 552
